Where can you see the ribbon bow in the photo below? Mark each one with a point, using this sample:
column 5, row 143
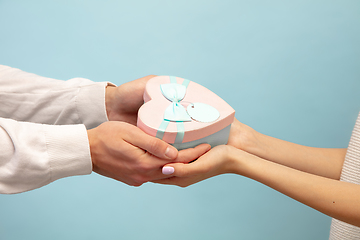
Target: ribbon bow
column 174, row 92
column 175, row 111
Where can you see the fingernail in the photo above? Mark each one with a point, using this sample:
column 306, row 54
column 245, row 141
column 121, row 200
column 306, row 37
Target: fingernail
column 168, row 170
column 171, row 152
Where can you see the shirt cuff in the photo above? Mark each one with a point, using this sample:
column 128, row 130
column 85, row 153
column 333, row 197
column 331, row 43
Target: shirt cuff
column 68, row 150
column 90, row 104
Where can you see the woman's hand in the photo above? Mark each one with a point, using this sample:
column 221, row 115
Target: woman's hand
column 219, row 160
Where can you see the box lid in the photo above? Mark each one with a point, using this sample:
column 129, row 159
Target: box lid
column 151, row 114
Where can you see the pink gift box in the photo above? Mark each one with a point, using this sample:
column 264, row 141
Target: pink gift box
column 204, row 116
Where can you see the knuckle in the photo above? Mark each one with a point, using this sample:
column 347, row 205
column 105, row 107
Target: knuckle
column 155, row 145
column 140, row 168
column 144, row 167
column 181, row 172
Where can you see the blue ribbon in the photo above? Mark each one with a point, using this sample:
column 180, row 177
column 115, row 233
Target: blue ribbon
column 175, row 112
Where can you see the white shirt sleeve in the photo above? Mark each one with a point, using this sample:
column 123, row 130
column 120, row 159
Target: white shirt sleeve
column 32, row 98
column 35, row 153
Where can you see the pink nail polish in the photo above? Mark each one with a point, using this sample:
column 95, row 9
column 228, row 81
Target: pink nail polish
column 168, row 170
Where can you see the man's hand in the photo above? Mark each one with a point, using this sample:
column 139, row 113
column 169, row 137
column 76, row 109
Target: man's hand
column 124, row 152
column 123, row 102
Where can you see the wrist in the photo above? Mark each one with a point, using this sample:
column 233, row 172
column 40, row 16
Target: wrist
column 232, row 160
column 92, row 143
column 256, row 143
column 246, row 138
column 236, row 160
column 109, row 99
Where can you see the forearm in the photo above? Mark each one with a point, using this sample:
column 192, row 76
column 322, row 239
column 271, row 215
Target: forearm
column 325, row 162
column 337, row 199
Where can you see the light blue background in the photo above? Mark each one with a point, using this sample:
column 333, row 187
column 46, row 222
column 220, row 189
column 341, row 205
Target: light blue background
column 290, row 69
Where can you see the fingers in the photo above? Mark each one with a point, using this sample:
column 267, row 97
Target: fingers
column 185, row 174
column 185, row 156
column 151, row 144
column 146, row 78
column 181, row 182
column 151, row 166
column 211, row 163
column 136, row 86
column 191, row 154
column 168, row 181
column 183, row 169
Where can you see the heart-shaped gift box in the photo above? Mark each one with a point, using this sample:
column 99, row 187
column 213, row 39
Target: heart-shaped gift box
column 184, row 113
